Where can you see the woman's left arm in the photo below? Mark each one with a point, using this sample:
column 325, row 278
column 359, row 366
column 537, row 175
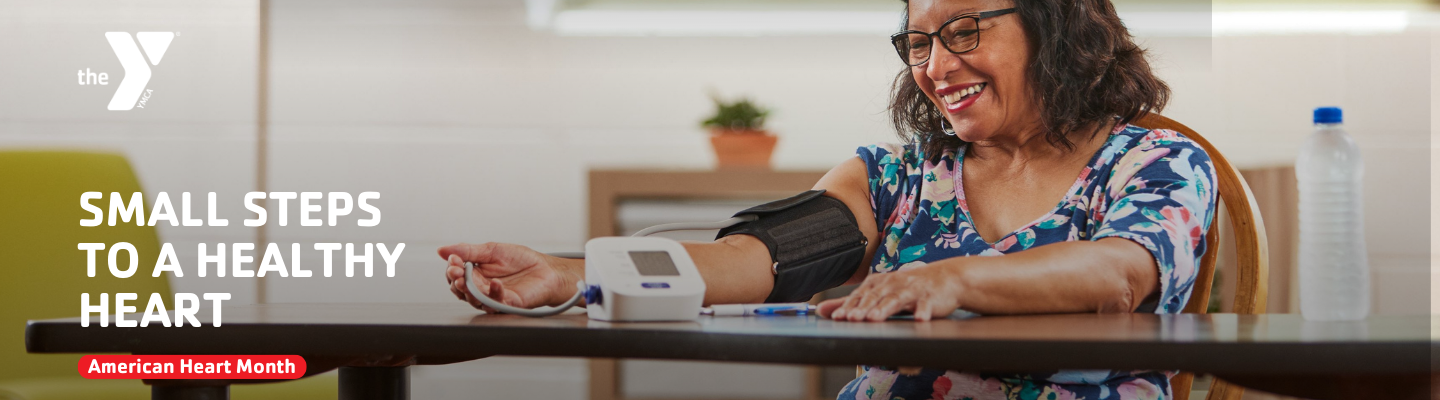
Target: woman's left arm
column 1107, row 275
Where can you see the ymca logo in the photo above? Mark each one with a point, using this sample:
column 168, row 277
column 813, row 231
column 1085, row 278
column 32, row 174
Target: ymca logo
column 137, row 72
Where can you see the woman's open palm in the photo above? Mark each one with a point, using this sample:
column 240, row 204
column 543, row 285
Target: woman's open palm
column 512, row 274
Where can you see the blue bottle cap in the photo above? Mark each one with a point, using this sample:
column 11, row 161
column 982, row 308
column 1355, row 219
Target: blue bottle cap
column 1328, row 115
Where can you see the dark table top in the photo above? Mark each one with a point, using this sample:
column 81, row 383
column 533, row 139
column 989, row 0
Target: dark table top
column 444, row 333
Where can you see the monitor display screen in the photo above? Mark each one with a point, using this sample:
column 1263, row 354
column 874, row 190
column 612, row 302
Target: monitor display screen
column 654, row 263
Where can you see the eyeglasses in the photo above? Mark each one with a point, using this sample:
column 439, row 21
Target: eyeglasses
column 959, row 35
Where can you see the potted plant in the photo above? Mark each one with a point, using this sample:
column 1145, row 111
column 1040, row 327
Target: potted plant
column 737, row 133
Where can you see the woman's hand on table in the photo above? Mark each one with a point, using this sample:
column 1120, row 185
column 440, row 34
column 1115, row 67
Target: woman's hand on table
column 929, row 291
column 513, row 274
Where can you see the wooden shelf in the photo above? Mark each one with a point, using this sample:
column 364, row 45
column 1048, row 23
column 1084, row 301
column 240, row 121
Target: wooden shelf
column 609, row 187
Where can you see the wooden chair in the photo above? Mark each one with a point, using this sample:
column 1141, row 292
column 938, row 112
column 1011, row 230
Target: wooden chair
column 1252, row 253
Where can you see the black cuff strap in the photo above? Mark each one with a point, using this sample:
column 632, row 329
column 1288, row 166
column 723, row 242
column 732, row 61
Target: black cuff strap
column 813, row 239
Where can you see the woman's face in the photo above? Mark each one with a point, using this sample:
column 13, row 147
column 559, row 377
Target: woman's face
column 997, row 69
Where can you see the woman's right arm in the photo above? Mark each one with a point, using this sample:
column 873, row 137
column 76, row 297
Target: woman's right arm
column 736, row 268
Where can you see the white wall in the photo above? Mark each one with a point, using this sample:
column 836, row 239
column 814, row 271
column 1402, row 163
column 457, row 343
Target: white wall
column 197, row 132
column 1265, row 90
column 477, row 129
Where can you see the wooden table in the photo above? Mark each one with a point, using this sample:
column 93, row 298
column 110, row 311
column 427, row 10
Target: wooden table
column 372, row 344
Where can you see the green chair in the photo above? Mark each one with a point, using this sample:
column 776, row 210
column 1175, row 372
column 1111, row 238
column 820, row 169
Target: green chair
column 43, row 273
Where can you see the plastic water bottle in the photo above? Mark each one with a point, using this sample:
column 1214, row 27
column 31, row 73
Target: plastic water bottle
column 1334, row 275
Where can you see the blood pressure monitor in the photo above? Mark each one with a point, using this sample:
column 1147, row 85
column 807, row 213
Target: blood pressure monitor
column 641, row 279
column 814, row 239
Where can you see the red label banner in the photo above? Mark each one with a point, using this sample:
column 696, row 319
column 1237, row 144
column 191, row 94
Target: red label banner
column 192, row 367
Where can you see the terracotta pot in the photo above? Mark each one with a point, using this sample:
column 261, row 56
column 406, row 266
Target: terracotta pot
column 742, row 148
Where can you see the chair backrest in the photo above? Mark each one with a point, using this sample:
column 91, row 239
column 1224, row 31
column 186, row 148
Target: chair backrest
column 43, row 272
column 1252, row 253
column 1251, row 249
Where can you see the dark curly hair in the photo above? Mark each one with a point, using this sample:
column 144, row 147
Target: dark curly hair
column 1086, row 68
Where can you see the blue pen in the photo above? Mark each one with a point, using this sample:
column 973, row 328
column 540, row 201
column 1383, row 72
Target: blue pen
column 737, row 310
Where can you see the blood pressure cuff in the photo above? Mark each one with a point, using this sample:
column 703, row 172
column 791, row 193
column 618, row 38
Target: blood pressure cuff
column 813, row 239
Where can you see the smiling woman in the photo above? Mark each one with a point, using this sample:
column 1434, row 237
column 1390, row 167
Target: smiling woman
column 1020, row 188
column 1039, row 95
column 1085, row 68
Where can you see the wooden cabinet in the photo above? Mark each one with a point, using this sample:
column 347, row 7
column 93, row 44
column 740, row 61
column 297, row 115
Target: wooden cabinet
column 609, row 187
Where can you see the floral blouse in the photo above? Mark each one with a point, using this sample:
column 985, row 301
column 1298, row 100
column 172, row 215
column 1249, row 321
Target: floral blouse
column 1154, row 187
